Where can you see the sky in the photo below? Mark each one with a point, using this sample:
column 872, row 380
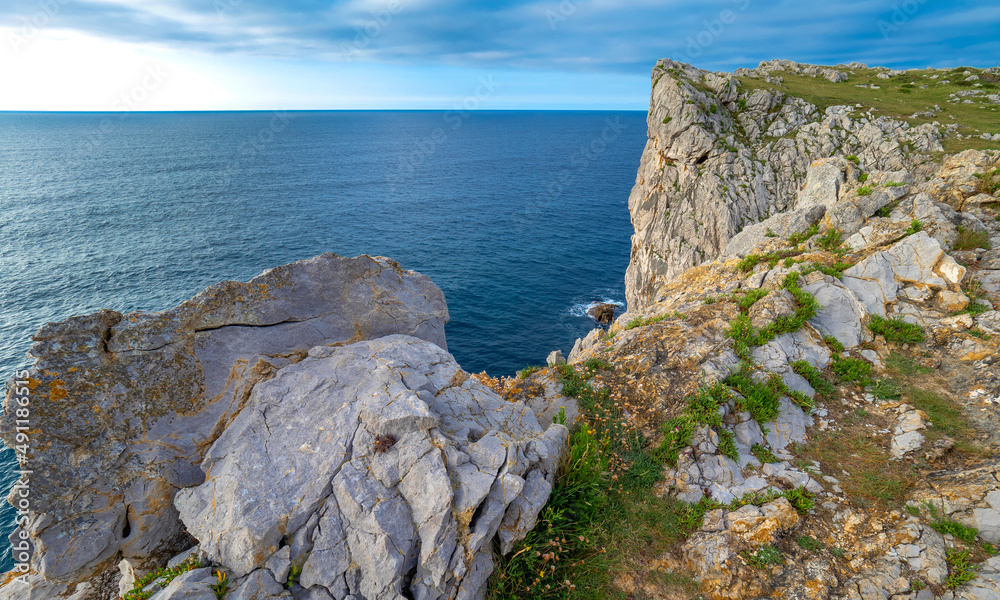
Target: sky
column 152, row 55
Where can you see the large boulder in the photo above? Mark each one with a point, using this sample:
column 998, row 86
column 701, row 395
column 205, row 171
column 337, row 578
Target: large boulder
column 396, row 467
column 124, row 407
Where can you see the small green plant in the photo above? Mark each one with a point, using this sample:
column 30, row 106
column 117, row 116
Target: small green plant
column 799, row 238
column 709, row 300
column 896, row 330
column 528, row 371
column 713, row 109
column 293, row 575
column 749, row 298
column 852, row 370
column 960, row 568
column 809, row 543
column 789, row 262
column 764, row 557
column 886, row 389
column 970, row 240
column 801, row 499
column 865, row 190
column 854, row 159
column 667, row 119
column 801, row 399
column 830, row 240
column 917, row 585
column 838, row 552
column 770, row 233
column 833, row 344
column 764, row 454
column 905, row 365
column 916, row 226
column 893, row 184
column 815, row 378
column 727, row 444
column 946, row 526
column 913, row 510
column 643, row 322
column 863, row 178
column 762, row 399
column 167, row 575
column 989, row 182
column 979, row 333
column 221, row 585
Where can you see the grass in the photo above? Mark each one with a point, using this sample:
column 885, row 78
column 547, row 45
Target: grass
column 946, row 417
column 852, row 370
column 747, row 299
column 814, row 376
column 989, row 182
column 893, row 184
column 903, row 365
column 748, row 263
column 166, row 574
column 764, row 557
column 837, row 270
column 809, row 543
column 745, row 335
column 896, row 330
column 865, row 190
column 800, row 238
column 644, row 321
column 916, row 226
column 970, row 240
column 762, row 399
column 886, row 389
column 764, row 454
column 960, row 568
column 702, row 409
column 871, row 478
column 221, row 586
column 892, row 101
column 602, row 499
column 830, row 240
column 528, row 371
column 854, row 159
column 667, row 119
column 947, row 526
column 973, row 289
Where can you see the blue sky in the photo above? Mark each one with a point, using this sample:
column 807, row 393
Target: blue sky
column 312, row 54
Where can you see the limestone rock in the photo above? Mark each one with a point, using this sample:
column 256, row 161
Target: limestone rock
column 465, row 465
column 150, row 392
column 876, row 279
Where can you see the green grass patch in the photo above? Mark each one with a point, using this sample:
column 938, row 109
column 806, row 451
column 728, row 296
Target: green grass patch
column 764, row 454
column 916, row 226
column 960, row 567
column 815, row 377
column 970, row 240
column 852, row 370
column 167, row 575
column 644, row 321
column 764, row 557
column 896, row 330
column 800, row 238
column 865, row 190
column 528, row 371
column 885, row 389
column 809, row 543
column 762, row 399
column 830, row 240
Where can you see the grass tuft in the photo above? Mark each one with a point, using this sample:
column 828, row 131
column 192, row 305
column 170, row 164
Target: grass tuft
column 896, row 330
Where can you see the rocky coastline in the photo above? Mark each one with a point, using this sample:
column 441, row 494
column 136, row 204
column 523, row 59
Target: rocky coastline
column 811, row 314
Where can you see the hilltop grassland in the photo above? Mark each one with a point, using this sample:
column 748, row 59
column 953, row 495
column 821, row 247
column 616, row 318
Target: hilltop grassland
column 964, row 101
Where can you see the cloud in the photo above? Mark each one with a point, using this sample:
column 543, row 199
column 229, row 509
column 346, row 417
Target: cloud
column 568, row 35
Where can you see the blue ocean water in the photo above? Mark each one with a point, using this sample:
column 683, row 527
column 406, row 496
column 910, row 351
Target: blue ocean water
column 520, row 217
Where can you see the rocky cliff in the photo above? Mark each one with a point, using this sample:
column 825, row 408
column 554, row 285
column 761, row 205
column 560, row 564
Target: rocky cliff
column 728, row 150
column 810, row 350
column 306, row 431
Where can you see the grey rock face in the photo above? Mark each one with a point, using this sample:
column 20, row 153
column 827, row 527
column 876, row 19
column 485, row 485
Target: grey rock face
column 127, row 405
column 721, row 158
column 916, row 259
column 782, row 226
column 408, row 463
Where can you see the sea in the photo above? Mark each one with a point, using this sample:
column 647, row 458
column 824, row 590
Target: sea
column 520, row 217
